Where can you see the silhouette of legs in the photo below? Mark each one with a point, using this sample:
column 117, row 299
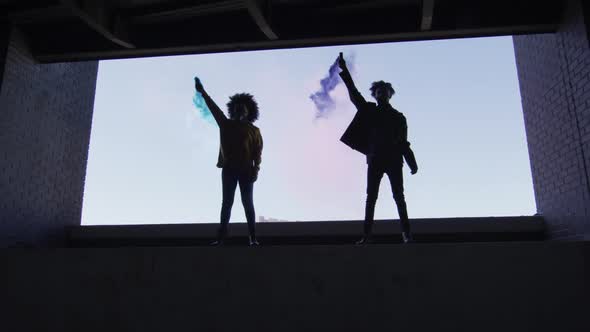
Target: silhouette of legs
column 229, row 182
column 375, row 173
column 396, row 180
column 247, row 193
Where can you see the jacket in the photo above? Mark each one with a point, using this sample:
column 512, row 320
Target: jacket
column 240, row 142
column 381, row 134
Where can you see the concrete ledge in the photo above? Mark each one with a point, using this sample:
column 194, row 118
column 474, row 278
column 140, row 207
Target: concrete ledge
column 531, row 286
column 318, row 232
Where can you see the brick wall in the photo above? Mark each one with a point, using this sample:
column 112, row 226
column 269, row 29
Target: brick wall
column 45, row 120
column 554, row 75
column 586, row 8
column 4, row 35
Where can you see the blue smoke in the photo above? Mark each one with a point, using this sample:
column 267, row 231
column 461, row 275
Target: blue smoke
column 201, row 106
column 322, row 99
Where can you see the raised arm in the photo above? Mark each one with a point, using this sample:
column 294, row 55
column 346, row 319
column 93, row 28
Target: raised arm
column 355, row 96
column 218, row 114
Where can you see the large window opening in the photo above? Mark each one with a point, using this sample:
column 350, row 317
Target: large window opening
column 153, row 153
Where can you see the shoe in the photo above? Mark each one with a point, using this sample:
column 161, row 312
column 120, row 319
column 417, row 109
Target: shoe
column 407, row 237
column 363, row 240
column 216, row 243
column 252, row 241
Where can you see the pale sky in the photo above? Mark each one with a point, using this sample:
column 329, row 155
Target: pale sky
column 152, row 156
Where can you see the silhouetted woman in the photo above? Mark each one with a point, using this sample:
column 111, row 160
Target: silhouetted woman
column 239, row 155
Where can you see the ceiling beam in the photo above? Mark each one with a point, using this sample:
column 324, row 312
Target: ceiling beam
column 427, row 13
column 187, row 12
column 306, row 42
column 100, row 19
column 92, row 13
column 256, row 11
column 355, row 6
column 38, row 15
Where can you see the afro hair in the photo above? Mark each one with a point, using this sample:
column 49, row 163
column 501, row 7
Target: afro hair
column 245, row 99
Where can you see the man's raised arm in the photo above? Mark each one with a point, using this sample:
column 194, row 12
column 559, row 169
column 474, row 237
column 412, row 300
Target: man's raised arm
column 218, row 114
column 355, row 96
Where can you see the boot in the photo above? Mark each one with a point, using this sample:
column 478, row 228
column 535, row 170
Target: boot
column 220, row 237
column 407, row 237
column 218, row 242
column 363, row 240
column 252, row 241
column 367, row 232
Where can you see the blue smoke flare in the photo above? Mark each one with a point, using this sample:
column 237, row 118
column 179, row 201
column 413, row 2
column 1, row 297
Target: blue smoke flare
column 322, row 99
column 201, row 106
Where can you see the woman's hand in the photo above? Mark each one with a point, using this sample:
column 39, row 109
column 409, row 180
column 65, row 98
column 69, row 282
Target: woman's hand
column 199, row 86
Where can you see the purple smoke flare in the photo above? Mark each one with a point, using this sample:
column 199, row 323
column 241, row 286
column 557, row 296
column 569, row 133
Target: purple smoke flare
column 322, row 99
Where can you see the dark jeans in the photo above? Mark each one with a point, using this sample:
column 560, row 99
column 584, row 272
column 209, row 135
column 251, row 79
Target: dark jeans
column 230, row 180
column 375, row 173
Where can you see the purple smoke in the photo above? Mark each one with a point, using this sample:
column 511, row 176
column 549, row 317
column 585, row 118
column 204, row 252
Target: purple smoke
column 322, row 99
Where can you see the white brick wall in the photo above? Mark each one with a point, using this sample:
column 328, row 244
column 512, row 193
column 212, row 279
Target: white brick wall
column 554, row 74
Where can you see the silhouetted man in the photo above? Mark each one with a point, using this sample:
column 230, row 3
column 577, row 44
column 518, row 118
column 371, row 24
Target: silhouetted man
column 380, row 132
column 239, row 156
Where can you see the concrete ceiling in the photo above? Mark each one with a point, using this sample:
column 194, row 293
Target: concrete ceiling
column 70, row 30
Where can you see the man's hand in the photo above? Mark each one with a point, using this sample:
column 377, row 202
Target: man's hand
column 254, row 173
column 341, row 62
column 199, row 86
